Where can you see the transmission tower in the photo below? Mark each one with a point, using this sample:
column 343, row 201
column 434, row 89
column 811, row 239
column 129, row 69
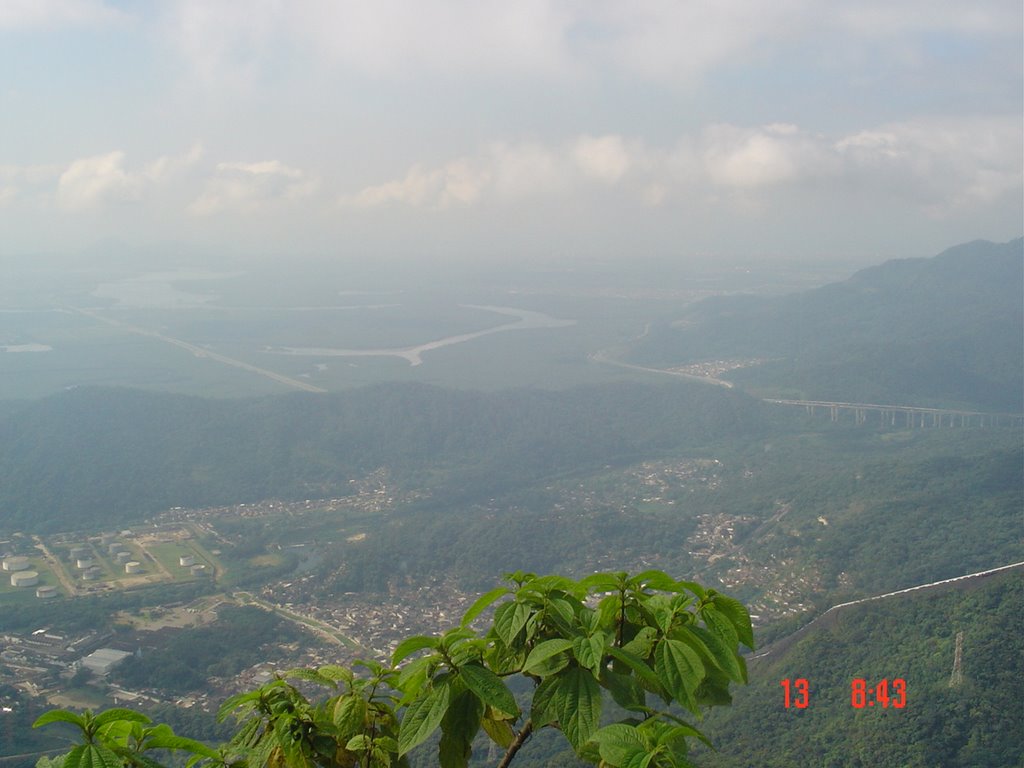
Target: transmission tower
column 957, row 677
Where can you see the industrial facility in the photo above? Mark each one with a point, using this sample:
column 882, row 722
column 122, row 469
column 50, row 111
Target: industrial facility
column 100, row 662
column 24, row 579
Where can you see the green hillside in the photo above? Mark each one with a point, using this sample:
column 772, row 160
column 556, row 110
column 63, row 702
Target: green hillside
column 946, row 331
column 108, row 457
column 975, row 724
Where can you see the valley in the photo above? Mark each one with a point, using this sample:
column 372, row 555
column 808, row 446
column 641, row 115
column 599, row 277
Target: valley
column 312, row 528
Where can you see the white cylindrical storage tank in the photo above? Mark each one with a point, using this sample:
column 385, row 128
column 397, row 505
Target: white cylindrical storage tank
column 186, row 561
column 24, row 579
column 123, row 557
column 84, row 563
column 115, row 548
column 79, row 552
column 16, row 563
column 133, row 566
column 45, row 592
column 198, row 569
column 91, row 574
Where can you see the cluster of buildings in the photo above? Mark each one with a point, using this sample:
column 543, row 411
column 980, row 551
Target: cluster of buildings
column 42, row 660
column 714, row 369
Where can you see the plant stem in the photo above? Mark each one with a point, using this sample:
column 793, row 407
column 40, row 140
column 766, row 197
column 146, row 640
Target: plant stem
column 515, row 746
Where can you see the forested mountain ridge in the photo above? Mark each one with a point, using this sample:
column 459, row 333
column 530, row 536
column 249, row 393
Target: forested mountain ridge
column 946, row 331
column 974, row 722
column 108, row 457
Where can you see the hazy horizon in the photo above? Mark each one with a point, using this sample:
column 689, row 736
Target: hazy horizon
column 546, row 132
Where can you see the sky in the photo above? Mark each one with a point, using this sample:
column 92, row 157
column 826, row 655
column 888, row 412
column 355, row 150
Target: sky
column 502, row 131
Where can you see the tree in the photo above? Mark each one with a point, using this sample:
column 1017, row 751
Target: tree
column 657, row 647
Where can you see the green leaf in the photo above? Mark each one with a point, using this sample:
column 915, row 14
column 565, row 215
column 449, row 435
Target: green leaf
column 682, row 731
column 643, row 643
column 693, row 587
column 422, row 717
column 482, row 603
column 248, row 734
column 458, row 729
column 562, row 615
column 453, row 751
column 119, row 713
column 92, row 756
column 59, row 716
column 171, row 741
column 660, row 606
column 610, row 610
column 358, row 743
column 719, row 624
column 645, row 674
column 509, row 620
column 600, row 582
column 724, row 657
column 456, row 636
column 144, row 761
column 412, row 644
column 231, row 703
column 350, row 714
column 625, row 690
column 553, row 583
column 655, row 580
column 500, row 731
column 542, row 710
column 679, row 666
column 589, row 652
column 738, row 614
column 577, row 705
column 310, row 676
column 642, row 760
column 489, row 688
column 618, row 744
column 336, row 673
column 544, row 651
column 414, row 675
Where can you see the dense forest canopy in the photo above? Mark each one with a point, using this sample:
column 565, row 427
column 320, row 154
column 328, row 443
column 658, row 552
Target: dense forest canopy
column 109, row 457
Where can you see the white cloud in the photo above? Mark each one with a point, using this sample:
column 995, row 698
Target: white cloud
column 527, row 170
column 44, row 13
column 459, row 182
column 92, row 181
column 941, row 164
column 252, row 187
column 762, row 157
column 605, row 159
column 667, row 39
column 881, row 18
column 168, row 166
column 233, row 40
column 237, row 41
column 934, row 165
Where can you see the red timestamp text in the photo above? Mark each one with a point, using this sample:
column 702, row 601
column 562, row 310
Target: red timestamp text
column 795, row 693
column 885, row 693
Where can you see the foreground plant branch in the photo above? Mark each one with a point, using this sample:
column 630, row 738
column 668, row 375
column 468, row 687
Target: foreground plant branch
column 517, row 744
column 634, row 639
